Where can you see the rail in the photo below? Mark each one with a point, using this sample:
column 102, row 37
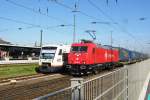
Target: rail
column 110, row 86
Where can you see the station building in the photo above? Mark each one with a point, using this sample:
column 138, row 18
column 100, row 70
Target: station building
column 10, row 51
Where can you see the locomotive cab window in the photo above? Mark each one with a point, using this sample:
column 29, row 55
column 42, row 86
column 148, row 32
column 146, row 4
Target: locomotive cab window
column 79, row 48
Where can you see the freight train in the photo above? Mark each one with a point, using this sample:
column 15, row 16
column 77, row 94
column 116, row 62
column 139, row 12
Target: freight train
column 84, row 57
column 52, row 58
column 87, row 56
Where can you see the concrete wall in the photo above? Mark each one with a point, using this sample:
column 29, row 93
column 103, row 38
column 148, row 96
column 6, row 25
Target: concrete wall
column 18, row 61
column 138, row 74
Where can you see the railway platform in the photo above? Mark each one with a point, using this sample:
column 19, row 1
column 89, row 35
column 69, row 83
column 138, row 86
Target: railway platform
column 147, row 97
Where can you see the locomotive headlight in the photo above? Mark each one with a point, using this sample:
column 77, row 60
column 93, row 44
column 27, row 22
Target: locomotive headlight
column 83, row 62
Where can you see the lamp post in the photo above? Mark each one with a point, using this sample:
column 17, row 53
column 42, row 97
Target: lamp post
column 74, row 28
column 41, row 38
column 74, row 22
column 41, row 32
column 111, row 42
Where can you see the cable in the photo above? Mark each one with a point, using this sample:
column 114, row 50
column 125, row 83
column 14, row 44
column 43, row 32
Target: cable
column 20, row 22
column 68, row 7
column 31, row 25
column 122, row 29
column 81, row 12
column 63, row 5
column 90, row 2
column 35, row 11
column 19, row 28
column 100, row 10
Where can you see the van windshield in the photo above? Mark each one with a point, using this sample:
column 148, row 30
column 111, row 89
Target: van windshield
column 79, row 48
column 47, row 56
column 49, row 48
column 48, row 52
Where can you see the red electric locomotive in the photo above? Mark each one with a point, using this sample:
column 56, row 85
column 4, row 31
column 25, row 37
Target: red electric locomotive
column 87, row 56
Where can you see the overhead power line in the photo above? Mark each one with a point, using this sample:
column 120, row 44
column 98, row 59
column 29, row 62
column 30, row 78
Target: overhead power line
column 63, row 5
column 31, row 25
column 71, row 8
column 35, row 11
column 112, row 20
column 101, row 11
column 19, row 28
column 81, row 12
column 20, row 22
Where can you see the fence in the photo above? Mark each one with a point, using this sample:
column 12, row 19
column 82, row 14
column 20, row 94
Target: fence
column 110, row 86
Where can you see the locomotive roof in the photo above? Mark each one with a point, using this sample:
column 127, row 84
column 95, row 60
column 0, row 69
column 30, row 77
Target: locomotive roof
column 86, row 41
column 54, row 45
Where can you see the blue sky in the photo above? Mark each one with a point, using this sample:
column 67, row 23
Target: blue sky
column 126, row 13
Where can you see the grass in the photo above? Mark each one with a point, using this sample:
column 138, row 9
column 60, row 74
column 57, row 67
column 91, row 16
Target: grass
column 14, row 70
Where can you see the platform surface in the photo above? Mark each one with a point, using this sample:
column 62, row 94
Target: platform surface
column 147, row 97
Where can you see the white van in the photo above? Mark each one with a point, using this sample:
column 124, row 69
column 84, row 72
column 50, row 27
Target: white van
column 51, row 57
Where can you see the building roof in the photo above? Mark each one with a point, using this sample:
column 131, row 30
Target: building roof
column 19, row 46
column 4, row 42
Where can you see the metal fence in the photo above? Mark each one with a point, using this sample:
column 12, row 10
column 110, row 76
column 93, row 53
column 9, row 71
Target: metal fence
column 110, row 86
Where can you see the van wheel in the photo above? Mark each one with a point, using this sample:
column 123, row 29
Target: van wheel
column 37, row 70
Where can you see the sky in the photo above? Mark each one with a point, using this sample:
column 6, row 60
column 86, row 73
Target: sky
column 22, row 20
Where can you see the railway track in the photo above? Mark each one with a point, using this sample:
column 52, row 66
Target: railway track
column 33, row 87
column 19, row 78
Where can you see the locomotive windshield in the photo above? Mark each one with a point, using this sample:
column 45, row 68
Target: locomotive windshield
column 79, row 48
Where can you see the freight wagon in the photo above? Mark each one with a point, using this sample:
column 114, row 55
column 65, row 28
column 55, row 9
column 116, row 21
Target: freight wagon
column 129, row 56
column 87, row 56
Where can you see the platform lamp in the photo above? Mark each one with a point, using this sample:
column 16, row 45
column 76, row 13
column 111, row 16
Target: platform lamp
column 41, row 38
column 74, row 21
